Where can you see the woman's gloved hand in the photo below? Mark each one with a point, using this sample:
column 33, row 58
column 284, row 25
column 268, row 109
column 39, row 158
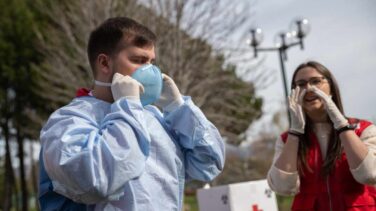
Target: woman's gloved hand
column 296, row 110
column 334, row 113
column 125, row 86
column 170, row 98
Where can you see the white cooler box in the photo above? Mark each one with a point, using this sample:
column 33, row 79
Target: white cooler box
column 245, row 196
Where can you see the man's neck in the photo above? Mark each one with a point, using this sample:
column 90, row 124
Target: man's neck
column 103, row 93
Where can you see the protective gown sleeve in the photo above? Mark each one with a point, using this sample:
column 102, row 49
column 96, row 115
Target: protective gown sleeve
column 91, row 162
column 200, row 140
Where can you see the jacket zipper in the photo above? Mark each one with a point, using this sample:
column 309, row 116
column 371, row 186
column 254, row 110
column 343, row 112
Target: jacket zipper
column 330, row 198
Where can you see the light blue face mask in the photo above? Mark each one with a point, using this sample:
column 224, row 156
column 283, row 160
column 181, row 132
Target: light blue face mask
column 151, row 78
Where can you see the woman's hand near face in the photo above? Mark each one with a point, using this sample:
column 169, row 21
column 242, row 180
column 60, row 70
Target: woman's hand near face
column 334, row 113
column 287, row 161
column 296, row 110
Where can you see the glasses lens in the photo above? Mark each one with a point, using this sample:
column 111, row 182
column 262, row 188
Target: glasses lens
column 301, row 83
column 316, row 81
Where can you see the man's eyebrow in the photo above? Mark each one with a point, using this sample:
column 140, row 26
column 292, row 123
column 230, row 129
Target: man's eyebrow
column 143, row 57
column 139, row 56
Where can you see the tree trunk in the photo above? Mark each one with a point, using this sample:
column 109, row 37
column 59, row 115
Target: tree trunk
column 34, row 176
column 9, row 174
column 21, row 155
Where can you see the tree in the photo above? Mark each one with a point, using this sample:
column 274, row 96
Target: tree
column 16, row 96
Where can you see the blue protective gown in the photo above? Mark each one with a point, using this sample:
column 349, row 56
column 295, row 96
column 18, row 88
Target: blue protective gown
column 122, row 156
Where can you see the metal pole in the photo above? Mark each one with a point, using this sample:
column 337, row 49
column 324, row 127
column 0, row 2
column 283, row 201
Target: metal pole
column 281, row 51
column 301, row 34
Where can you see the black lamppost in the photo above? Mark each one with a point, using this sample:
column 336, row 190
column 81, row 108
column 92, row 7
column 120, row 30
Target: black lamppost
column 299, row 30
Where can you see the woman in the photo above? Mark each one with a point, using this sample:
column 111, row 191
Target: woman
column 326, row 160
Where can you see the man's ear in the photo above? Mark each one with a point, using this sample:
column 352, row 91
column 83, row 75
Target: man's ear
column 103, row 64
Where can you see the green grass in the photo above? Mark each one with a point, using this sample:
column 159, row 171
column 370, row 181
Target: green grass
column 190, row 202
column 284, row 202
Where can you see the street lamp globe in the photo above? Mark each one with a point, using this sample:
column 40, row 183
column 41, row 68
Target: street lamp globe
column 290, row 38
column 300, row 27
column 256, row 37
column 283, row 38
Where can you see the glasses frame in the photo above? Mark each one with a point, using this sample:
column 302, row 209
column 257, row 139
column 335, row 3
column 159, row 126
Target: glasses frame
column 303, row 83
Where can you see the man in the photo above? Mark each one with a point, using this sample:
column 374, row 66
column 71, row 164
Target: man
column 109, row 149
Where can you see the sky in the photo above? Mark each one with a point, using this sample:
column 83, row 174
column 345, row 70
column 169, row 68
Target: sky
column 342, row 38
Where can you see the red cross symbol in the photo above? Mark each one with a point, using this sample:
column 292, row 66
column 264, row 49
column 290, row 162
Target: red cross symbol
column 255, row 208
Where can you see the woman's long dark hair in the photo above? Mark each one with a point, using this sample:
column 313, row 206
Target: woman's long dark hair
column 334, row 145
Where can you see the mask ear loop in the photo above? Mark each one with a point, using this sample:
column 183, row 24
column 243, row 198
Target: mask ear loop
column 100, row 83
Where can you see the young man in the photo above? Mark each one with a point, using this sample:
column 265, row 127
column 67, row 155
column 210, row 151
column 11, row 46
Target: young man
column 109, row 149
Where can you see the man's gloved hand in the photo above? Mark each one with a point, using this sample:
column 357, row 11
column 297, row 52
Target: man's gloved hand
column 334, row 113
column 296, row 111
column 125, row 86
column 170, row 98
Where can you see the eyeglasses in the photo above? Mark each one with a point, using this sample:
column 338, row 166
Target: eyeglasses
column 314, row 81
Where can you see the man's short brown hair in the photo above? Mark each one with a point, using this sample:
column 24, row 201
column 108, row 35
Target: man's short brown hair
column 108, row 37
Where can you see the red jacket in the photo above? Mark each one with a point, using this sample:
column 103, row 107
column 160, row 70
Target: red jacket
column 338, row 191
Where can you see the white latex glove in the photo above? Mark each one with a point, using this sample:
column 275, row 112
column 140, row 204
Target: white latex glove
column 334, row 113
column 296, row 111
column 170, row 98
column 125, row 86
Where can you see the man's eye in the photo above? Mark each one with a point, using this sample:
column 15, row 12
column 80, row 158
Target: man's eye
column 139, row 60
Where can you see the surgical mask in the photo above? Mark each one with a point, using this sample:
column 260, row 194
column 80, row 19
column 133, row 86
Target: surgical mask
column 150, row 77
